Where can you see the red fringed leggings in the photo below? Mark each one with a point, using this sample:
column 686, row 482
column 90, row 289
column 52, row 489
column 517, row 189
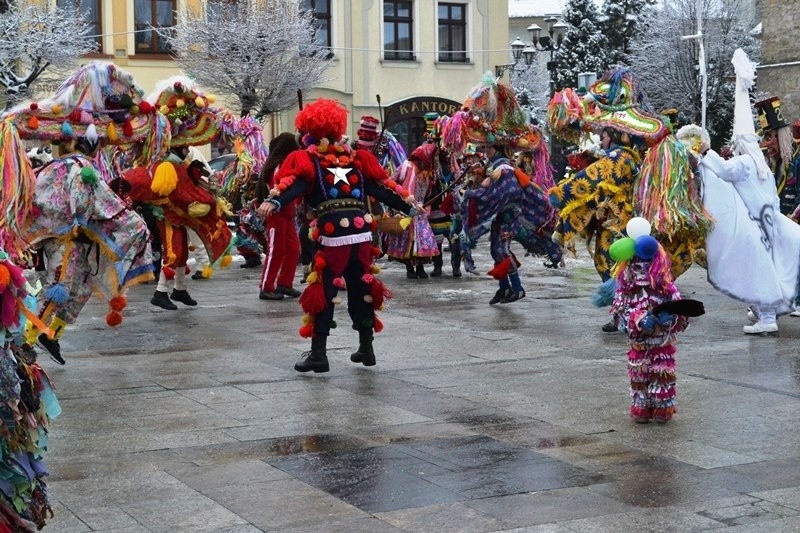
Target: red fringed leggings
column 651, row 370
column 349, row 262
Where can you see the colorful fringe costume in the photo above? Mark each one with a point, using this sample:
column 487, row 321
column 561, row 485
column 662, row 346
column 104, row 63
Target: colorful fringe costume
column 335, row 181
column 27, row 406
column 640, row 286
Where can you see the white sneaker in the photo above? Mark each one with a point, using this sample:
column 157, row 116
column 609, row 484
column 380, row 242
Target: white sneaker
column 760, row 327
column 795, row 313
column 751, row 316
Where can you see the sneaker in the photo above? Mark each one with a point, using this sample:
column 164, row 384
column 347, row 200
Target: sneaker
column 499, row 296
column 288, row 291
column 161, row 299
column 52, row 347
column 760, row 327
column 513, row 297
column 198, row 274
column 270, row 295
column 610, row 327
column 795, row 313
column 182, row 297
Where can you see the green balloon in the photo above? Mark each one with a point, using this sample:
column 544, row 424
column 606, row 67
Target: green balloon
column 622, row 250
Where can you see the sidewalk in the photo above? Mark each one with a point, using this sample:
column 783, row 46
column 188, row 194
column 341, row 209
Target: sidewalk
column 476, row 418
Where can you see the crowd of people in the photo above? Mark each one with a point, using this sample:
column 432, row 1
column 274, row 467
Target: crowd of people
column 128, row 197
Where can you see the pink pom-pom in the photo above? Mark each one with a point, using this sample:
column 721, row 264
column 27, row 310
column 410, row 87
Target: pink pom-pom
column 339, row 283
column 367, row 278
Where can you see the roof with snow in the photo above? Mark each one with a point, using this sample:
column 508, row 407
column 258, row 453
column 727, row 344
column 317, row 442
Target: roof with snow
column 534, row 8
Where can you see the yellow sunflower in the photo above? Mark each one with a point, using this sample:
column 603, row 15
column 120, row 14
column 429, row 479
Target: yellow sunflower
column 580, row 188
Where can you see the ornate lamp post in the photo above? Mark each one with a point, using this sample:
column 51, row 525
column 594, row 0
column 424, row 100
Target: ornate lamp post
column 519, row 50
column 550, row 42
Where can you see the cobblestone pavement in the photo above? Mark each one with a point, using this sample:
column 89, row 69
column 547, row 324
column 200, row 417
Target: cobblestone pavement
column 476, row 418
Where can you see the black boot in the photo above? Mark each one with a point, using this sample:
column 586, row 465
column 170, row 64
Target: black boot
column 499, row 296
column 365, row 354
column 53, row 348
column 182, row 296
column 410, row 273
column 437, row 266
column 421, row 274
column 251, row 261
column 315, row 359
column 161, row 299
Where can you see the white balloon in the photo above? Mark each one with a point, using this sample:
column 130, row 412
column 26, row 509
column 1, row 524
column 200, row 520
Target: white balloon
column 637, row 227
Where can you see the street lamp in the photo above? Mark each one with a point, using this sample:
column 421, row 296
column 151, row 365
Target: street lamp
column 519, row 50
column 550, row 42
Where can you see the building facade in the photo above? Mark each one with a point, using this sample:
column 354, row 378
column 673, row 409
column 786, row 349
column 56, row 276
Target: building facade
column 779, row 71
column 418, row 56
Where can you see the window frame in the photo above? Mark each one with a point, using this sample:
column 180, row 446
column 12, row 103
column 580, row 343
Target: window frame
column 318, row 16
column 154, row 37
column 455, row 53
column 399, row 54
column 98, row 22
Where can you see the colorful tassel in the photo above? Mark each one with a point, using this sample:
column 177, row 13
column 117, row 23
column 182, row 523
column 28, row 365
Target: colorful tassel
column 89, row 175
column 313, row 300
column 57, row 294
column 33, row 123
column 111, row 133
column 165, row 179
column 91, row 133
column 127, row 128
column 66, row 129
column 118, row 302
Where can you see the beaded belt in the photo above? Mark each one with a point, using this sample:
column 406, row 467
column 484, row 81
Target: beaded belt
column 329, row 206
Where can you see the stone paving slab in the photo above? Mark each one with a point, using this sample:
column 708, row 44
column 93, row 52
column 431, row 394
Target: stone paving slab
column 476, row 418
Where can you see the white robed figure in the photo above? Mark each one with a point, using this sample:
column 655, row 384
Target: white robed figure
column 754, row 250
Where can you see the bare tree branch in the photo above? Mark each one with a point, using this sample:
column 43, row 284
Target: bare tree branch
column 261, row 51
column 34, row 39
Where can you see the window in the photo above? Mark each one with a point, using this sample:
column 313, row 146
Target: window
column 452, row 33
column 90, row 9
column 398, row 42
column 322, row 20
column 157, row 14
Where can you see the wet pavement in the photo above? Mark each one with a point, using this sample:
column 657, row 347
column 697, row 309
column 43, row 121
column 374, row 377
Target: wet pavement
column 476, row 418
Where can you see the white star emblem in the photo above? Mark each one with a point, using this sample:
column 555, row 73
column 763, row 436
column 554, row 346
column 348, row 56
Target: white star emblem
column 340, row 174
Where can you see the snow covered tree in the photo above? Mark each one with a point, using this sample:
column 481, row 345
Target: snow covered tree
column 532, row 87
column 621, row 21
column 668, row 65
column 584, row 48
column 260, row 51
column 36, row 38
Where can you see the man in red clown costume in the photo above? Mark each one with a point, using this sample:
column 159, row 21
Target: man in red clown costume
column 336, row 181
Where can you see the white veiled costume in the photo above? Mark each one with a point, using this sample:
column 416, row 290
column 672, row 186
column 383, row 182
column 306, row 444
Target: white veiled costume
column 753, row 251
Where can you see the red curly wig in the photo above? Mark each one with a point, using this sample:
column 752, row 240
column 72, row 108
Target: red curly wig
column 323, row 118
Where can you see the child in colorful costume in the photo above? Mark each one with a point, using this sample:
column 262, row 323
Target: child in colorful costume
column 643, row 282
column 335, row 181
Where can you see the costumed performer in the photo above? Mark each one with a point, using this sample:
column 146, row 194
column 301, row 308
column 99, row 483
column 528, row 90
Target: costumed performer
column 416, row 245
column 754, row 182
column 172, row 188
column 281, row 234
column 643, row 281
column 335, row 182
column 90, row 238
column 783, row 156
column 506, row 204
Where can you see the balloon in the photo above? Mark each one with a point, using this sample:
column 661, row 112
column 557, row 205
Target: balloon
column 622, row 250
column 646, row 247
column 637, row 227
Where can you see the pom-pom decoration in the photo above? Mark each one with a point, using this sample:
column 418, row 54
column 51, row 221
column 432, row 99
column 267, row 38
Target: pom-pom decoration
column 33, row 123
column 622, row 249
column 646, row 247
column 91, row 133
column 207, row 272
column 114, row 318
column 226, row 261
column 58, row 294
column 66, row 129
column 118, row 303
column 89, row 176
column 5, row 277
column 637, row 227
column 111, row 133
